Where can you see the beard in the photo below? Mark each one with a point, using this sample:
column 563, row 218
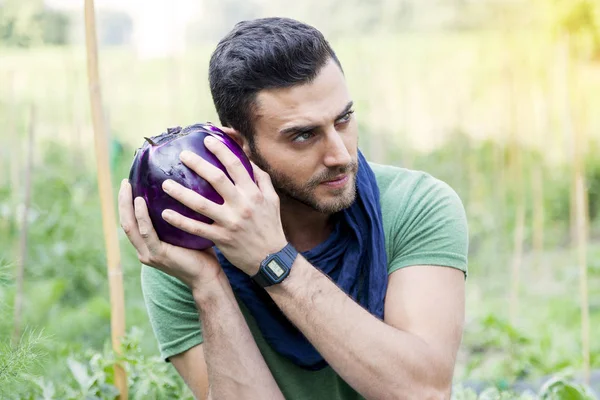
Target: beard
column 286, row 188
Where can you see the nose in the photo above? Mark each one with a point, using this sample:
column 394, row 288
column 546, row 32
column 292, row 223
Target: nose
column 336, row 152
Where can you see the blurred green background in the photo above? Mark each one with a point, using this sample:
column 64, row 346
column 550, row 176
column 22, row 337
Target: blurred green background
column 499, row 98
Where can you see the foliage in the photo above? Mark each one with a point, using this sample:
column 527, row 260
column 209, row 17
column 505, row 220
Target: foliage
column 556, row 388
column 579, row 19
column 89, row 375
column 24, row 355
column 27, row 23
column 19, row 359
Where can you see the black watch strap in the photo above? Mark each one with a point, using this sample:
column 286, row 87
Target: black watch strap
column 261, row 279
column 287, row 256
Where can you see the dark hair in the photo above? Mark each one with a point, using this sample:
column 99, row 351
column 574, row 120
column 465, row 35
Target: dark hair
column 262, row 54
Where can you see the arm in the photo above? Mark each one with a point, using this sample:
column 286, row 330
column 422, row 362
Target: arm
column 191, row 365
column 410, row 355
column 228, row 364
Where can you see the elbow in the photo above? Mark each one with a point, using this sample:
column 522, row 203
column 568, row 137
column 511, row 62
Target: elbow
column 424, row 392
column 437, row 393
column 437, row 387
column 431, row 383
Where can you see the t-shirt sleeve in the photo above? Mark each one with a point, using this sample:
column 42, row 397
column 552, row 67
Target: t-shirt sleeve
column 172, row 312
column 431, row 228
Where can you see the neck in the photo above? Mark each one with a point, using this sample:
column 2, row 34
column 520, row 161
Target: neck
column 303, row 226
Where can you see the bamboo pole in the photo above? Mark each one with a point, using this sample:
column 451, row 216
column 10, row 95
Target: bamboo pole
column 516, row 176
column 517, row 260
column 537, row 186
column 115, row 274
column 8, row 136
column 575, row 135
column 541, row 128
column 581, row 220
column 581, row 239
column 15, row 153
column 21, row 261
column 581, row 250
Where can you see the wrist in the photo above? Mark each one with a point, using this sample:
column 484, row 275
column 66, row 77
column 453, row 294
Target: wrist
column 276, row 266
column 296, row 279
column 263, row 254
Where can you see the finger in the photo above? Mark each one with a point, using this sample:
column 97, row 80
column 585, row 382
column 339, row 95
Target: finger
column 190, row 225
column 263, row 180
column 146, row 228
column 127, row 217
column 232, row 163
column 213, row 175
column 192, row 200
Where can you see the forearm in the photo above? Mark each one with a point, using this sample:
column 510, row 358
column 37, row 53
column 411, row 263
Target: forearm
column 236, row 368
column 378, row 360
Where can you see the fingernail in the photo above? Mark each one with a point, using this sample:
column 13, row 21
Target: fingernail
column 185, row 156
column 167, row 185
column 166, row 214
column 123, row 182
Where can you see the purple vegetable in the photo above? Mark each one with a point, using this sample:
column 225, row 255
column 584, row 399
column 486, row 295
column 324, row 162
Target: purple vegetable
column 158, row 160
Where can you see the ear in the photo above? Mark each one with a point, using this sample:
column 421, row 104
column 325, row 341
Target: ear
column 238, row 138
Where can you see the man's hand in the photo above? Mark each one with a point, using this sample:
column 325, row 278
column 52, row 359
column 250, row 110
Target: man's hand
column 247, row 226
column 194, row 268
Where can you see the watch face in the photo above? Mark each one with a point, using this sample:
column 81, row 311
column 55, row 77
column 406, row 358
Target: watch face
column 275, row 268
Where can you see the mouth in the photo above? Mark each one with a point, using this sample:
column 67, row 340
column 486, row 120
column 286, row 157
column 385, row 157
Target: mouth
column 337, row 182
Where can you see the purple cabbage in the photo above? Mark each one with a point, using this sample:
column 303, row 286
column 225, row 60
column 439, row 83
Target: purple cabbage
column 158, row 160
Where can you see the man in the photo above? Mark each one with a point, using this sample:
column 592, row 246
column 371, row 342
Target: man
column 332, row 278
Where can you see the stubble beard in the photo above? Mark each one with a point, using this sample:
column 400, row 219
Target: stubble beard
column 305, row 194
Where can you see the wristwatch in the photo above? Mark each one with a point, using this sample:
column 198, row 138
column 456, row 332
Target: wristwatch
column 276, row 267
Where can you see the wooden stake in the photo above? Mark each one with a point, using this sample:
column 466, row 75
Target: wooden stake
column 541, row 128
column 21, row 261
column 115, row 274
column 537, row 185
column 516, row 176
column 9, row 136
column 515, row 273
column 14, row 139
column 582, row 233
column 575, row 134
column 581, row 219
column 581, row 194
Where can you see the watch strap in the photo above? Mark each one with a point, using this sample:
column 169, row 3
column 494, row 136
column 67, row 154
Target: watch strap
column 287, row 255
column 261, row 279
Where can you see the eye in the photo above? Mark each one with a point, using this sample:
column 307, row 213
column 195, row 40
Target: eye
column 346, row 117
column 303, row 137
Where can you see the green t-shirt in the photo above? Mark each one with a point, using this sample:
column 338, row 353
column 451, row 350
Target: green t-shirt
column 424, row 224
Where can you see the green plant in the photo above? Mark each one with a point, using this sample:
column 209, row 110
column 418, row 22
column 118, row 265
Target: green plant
column 559, row 388
column 89, row 375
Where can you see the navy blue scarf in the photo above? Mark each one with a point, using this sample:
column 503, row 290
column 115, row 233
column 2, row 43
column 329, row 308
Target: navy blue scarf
column 353, row 256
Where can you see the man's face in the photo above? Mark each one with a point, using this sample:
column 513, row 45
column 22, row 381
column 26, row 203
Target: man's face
column 306, row 139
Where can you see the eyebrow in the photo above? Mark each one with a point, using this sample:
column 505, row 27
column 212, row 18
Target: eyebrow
column 309, row 128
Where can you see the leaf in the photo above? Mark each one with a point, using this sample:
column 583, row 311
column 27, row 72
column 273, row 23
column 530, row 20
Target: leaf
column 80, row 374
column 557, row 388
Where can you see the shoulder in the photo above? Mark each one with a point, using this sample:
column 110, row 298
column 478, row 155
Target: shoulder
column 424, row 219
column 403, row 188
